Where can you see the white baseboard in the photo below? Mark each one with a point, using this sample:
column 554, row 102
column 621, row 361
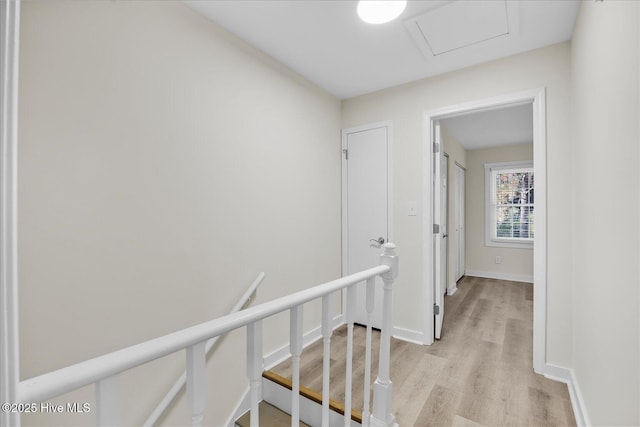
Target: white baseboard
column 452, row 288
column 568, row 376
column 408, row 335
column 499, row 276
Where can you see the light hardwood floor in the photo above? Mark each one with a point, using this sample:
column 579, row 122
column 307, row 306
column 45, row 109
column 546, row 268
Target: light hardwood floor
column 479, row 373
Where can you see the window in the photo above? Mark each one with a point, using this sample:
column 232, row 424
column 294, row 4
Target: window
column 509, row 204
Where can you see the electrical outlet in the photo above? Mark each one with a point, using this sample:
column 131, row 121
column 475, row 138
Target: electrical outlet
column 412, row 208
column 498, row 259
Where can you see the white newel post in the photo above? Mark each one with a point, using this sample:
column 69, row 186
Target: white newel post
column 382, row 389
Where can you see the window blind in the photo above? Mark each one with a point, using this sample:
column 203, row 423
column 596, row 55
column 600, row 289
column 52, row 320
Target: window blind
column 513, row 203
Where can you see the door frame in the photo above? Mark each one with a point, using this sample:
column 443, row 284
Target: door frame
column 459, row 193
column 388, row 124
column 537, row 98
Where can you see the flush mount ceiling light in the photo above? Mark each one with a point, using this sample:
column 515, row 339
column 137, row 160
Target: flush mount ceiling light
column 380, row 11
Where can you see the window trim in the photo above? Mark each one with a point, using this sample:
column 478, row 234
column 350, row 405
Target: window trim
column 490, row 223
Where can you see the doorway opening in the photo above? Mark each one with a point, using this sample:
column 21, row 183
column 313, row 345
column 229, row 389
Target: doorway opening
column 431, row 219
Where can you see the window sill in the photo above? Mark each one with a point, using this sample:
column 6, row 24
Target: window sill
column 509, row 244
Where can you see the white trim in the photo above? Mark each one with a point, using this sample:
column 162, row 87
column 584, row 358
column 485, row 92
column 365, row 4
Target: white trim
column 408, row 335
column 9, row 330
column 388, row 124
column 577, row 402
column 513, row 244
column 509, row 165
column 452, row 288
column 557, row 373
column 568, row 376
column 427, row 230
column 540, row 238
column 537, row 97
column 499, row 276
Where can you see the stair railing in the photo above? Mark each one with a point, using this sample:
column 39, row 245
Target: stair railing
column 180, row 382
column 104, row 370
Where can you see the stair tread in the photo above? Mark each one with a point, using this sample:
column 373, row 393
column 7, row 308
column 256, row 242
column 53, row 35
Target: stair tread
column 339, row 407
column 270, row 416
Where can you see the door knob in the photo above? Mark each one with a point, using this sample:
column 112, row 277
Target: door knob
column 379, row 240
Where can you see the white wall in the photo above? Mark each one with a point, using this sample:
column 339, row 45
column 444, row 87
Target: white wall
column 163, row 165
column 605, row 99
column 404, row 105
column 517, row 263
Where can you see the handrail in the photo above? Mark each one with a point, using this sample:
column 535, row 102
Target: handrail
column 182, row 380
column 64, row 380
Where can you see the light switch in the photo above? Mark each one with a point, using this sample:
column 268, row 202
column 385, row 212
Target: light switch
column 412, row 209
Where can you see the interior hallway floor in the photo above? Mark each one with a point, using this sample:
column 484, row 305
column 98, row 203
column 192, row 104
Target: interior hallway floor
column 479, row 373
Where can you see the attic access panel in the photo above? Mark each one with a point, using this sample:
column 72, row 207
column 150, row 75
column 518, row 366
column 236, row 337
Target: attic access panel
column 461, row 24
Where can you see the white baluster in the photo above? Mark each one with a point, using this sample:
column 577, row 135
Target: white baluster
column 296, row 350
column 9, row 316
column 108, row 401
column 366, row 410
column 254, row 369
column 351, row 299
column 382, row 410
column 326, row 357
column 196, row 382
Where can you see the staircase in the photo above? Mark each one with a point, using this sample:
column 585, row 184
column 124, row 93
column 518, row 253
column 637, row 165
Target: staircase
column 266, row 390
column 277, row 384
column 291, row 387
column 274, row 409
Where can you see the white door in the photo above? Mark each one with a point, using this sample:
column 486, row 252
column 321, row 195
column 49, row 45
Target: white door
column 365, row 208
column 459, row 237
column 439, row 271
column 444, row 219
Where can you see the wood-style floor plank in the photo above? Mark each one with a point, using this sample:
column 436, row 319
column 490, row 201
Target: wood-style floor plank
column 440, row 408
column 479, row 374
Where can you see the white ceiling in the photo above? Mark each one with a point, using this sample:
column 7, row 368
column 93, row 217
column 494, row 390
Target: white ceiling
column 492, row 128
column 326, row 42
